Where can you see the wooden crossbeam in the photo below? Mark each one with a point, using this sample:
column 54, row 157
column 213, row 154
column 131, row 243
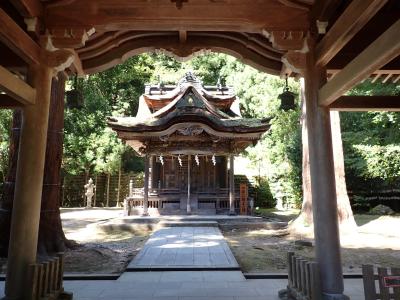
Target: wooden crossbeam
column 380, row 52
column 366, row 103
column 28, row 8
column 356, row 15
column 6, row 101
column 18, row 40
column 16, row 88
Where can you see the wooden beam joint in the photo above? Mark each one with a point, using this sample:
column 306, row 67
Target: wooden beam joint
column 385, row 48
column 366, row 103
column 16, row 88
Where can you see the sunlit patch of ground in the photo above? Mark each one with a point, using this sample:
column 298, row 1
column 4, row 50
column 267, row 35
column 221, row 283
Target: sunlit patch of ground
column 375, row 240
column 99, row 251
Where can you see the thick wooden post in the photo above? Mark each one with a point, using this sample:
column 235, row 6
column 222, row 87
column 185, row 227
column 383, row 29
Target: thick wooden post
column 188, row 208
column 28, row 189
column 326, row 230
column 146, row 186
column 231, row 185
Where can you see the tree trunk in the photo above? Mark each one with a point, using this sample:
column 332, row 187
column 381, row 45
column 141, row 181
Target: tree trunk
column 9, row 185
column 51, row 235
column 345, row 213
column 306, row 208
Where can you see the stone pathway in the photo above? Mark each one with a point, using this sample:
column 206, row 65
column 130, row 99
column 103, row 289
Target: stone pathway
column 190, row 247
column 186, row 285
column 185, row 248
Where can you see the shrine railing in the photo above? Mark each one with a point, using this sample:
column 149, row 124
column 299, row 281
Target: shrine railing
column 47, row 279
column 388, row 284
column 303, row 279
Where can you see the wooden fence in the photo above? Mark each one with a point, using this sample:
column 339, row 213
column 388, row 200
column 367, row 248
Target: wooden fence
column 388, row 283
column 303, row 279
column 110, row 189
column 47, row 279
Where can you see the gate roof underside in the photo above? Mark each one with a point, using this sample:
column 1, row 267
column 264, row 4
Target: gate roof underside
column 103, row 33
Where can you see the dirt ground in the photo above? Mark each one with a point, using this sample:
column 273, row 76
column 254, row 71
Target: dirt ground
column 376, row 241
column 98, row 251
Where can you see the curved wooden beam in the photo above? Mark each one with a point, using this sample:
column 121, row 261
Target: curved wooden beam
column 111, row 54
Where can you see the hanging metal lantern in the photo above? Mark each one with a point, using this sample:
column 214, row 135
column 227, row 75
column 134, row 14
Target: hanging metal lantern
column 74, row 96
column 287, row 98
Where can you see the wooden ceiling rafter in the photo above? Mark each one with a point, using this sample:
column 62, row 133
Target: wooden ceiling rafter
column 196, row 16
column 385, row 48
column 349, row 23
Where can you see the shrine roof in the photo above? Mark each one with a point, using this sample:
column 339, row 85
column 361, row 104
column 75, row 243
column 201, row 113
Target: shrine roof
column 189, row 102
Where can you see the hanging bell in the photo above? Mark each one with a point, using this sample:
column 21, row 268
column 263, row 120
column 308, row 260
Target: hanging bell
column 287, row 98
column 74, row 97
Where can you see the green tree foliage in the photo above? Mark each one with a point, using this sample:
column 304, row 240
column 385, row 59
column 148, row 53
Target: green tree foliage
column 371, row 142
column 89, row 144
column 5, row 126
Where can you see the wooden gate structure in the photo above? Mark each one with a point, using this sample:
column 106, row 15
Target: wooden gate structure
column 316, row 40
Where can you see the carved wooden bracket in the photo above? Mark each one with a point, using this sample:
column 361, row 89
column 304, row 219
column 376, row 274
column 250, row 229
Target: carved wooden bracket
column 70, row 38
column 295, row 61
column 57, row 59
column 286, row 40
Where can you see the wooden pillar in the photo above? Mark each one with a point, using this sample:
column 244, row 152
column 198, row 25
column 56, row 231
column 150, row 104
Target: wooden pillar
column 231, row 185
column 151, row 172
column 188, row 208
column 326, row 230
column 146, row 186
column 28, row 189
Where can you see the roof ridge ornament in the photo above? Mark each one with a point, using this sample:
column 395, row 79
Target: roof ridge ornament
column 190, row 78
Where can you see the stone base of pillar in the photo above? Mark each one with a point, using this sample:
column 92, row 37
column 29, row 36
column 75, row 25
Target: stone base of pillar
column 232, row 213
column 145, row 214
column 326, row 296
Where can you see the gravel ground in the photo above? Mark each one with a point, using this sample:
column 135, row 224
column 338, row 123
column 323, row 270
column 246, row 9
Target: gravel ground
column 374, row 241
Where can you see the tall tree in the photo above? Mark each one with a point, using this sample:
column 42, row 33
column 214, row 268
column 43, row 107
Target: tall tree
column 51, row 234
column 345, row 213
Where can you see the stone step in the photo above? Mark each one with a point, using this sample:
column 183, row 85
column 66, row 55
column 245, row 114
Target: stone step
column 188, row 223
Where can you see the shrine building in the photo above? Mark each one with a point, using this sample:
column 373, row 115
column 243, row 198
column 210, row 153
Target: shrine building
column 330, row 45
column 189, row 135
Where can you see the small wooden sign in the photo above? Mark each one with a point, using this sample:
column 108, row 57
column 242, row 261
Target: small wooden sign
column 391, row 281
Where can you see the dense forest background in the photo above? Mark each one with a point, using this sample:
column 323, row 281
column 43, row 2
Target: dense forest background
column 371, row 140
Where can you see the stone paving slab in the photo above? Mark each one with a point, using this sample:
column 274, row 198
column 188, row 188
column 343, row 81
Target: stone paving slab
column 176, row 248
column 196, row 285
